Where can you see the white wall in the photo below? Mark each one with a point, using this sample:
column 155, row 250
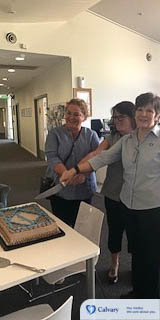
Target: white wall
column 111, row 58
column 56, row 83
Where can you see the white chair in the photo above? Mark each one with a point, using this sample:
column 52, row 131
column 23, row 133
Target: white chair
column 88, row 223
column 42, row 312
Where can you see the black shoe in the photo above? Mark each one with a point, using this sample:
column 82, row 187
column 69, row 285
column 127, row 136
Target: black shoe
column 129, row 295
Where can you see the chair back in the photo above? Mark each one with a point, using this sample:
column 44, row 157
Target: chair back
column 63, row 312
column 39, row 312
column 89, row 222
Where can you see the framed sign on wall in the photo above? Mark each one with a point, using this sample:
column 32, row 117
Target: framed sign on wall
column 86, row 95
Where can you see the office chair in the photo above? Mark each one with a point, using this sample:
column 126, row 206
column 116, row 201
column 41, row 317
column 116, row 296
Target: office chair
column 4, row 189
column 88, row 223
column 42, row 312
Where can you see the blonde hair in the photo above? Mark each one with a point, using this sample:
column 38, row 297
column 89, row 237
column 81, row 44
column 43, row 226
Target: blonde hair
column 81, row 104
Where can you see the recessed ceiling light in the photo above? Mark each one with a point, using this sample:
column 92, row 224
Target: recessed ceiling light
column 11, row 70
column 19, row 58
column 5, row 79
column 1, row 84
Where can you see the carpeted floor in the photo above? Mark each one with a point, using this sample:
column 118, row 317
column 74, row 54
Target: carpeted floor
column 22, row 171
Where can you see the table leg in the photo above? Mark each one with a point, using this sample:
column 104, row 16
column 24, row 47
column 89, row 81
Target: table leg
column 90, row 273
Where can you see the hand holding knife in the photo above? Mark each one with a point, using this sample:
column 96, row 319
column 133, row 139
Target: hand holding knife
column 65, row 179
column 50, row 191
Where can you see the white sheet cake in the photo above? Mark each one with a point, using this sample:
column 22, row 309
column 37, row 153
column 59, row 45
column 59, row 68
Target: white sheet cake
column 26, row 223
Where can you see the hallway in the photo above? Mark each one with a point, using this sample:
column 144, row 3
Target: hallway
column 22, row 171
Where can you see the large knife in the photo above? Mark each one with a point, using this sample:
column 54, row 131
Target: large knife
column 50, row 191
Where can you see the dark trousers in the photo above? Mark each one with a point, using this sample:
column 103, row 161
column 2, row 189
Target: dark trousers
column 116, row 225
column 144, row 229
column 66, row 210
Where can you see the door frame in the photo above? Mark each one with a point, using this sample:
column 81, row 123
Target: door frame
column 39, row 155
column 18, row 123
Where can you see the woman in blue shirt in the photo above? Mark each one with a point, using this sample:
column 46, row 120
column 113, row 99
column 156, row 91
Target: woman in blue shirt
column 76, row 141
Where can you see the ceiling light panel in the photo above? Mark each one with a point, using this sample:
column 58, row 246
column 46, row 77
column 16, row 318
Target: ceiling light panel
column 11, row 70
column 19, row 58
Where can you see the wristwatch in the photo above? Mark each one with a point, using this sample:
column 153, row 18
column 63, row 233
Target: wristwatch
column 77, row 169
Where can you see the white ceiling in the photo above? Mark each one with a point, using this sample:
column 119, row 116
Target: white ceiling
column 141, row 16
column 33, row 11
column 25, row 71
column 42, row 10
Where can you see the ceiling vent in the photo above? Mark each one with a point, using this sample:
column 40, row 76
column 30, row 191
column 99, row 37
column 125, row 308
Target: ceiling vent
column 11, row 37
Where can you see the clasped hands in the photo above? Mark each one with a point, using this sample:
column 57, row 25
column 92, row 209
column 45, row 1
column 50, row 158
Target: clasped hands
column 70, row 177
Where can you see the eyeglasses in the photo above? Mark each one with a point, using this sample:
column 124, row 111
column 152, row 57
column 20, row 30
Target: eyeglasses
column 73, row 114
column 120, row 118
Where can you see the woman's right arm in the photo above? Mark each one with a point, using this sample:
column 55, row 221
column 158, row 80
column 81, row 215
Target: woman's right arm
column 51, row 151
column 104, row 145
column 59, row 168
column 104, row 158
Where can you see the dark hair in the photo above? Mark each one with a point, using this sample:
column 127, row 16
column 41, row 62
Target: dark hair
column 81, row 104
column 146, row 98
column 124, row 107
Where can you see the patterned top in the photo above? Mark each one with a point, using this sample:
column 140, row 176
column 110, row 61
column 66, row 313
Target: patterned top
column 58, row 145
column 114, row 178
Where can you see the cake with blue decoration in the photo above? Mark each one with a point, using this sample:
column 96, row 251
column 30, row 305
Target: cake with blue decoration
column 26, row 224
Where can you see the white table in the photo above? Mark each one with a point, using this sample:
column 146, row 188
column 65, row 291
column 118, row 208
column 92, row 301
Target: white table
column 51, row 255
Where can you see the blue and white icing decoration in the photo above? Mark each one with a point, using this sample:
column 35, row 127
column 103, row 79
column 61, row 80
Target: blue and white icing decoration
column 18, row 213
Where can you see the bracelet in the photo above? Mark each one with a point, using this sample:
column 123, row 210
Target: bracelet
column 77, row 169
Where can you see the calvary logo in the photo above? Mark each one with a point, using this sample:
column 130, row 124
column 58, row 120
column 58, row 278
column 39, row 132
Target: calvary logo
column 91, row 309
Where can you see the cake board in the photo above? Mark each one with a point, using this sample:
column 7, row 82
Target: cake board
column 21, row 245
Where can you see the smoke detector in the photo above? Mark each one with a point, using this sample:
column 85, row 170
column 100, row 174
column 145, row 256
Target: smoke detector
column 11, row 37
